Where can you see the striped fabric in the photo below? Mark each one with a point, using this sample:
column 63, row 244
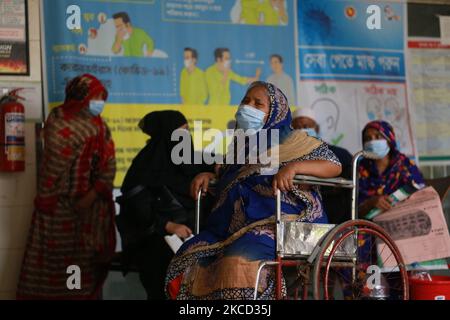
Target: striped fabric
column 78, row 156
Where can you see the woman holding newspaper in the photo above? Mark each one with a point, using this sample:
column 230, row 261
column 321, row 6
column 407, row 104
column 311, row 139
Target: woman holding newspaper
column 378, row 179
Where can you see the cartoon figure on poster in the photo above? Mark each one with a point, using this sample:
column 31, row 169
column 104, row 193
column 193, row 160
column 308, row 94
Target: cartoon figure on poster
column 117, row 36
column 392, row 111
column 390, row 14
column 260, row 12
column 328, row 114
column 280, row 79
column 374, row 108
column 193, row 89
column 219, row 75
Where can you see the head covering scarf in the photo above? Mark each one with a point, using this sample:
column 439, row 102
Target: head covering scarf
column 401, row 170
column 80, row 90
column 280, row 115
column 220, row 261
column 153, row 166
column 386, row 131
column 160, row 124
column 279, row 118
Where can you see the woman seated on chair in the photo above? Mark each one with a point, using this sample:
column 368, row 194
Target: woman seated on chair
column 222, row 261
column 379, row 178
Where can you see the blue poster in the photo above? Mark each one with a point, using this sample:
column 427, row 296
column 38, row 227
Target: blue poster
column 143, row 50
column 336, row 43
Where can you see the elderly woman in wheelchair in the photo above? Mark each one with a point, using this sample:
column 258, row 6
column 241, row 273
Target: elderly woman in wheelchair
column 222, row 261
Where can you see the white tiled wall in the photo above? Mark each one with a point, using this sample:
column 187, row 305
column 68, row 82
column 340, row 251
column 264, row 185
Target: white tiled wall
column 17, row 190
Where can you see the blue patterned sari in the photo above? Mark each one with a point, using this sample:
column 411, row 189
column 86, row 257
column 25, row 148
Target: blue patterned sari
column 221, row 262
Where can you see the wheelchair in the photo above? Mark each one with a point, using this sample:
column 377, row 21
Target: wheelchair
column 338, row 261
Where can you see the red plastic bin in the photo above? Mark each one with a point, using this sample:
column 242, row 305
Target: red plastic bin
column 437, row 289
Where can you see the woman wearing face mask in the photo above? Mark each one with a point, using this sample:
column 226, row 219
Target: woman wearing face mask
column 379, row 178
column 221, row 262
column 73, row 221
column 156, row 201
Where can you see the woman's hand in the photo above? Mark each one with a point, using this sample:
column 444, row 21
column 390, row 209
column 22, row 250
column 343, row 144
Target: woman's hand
column 382, row 202
column 179, row 229
column 201, row 182
column 86, row 201
column 283, row 180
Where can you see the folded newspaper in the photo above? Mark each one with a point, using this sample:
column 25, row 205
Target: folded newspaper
column 418, row 227
column 175, row 242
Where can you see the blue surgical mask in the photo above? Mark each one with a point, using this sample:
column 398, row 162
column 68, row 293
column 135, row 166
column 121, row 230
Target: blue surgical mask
column 379, row 147
column 96, row 106
column 248, row 117
column 311, row 132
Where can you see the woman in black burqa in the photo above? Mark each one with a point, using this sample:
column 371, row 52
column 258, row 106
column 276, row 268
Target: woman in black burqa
column 155, row 201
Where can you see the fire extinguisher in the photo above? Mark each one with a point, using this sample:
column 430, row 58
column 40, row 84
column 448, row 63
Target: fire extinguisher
column 12, row 132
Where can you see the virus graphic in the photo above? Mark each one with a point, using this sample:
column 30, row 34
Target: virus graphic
column 315, row 18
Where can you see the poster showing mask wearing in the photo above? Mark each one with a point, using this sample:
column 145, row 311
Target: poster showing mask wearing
column 194, row 56
column 351, row 74
column 199, row 57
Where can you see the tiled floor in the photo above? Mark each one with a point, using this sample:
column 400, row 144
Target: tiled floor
column 118, row 287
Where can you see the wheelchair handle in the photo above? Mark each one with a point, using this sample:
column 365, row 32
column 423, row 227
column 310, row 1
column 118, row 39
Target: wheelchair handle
column 355, row 160
column 197, row 212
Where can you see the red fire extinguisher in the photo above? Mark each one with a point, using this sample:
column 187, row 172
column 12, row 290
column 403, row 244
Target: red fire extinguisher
column 12, row 132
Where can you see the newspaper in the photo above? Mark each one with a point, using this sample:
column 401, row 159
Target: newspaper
column 175, row 242
column 418, row 227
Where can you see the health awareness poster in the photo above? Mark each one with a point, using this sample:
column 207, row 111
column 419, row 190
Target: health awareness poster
column 163, row 54
column 137, row 48
column 350, row 74
column 428, row 64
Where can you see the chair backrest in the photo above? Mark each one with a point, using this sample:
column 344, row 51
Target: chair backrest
column 441, row 185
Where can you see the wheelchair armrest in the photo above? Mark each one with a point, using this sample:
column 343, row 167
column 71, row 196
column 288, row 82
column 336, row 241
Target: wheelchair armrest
column 332, row 182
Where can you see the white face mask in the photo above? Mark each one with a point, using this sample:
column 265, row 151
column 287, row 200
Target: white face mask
column 96, row 106
column 188, row 63
column 311, row 132
column 126, row 36
column 248, row 117
column 378, row 147
column 227, row 64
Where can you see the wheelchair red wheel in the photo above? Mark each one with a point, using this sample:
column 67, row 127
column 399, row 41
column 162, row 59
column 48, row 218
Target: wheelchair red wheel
column 359, row 261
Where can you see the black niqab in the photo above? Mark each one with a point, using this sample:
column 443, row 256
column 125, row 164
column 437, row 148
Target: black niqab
column 153, row 166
